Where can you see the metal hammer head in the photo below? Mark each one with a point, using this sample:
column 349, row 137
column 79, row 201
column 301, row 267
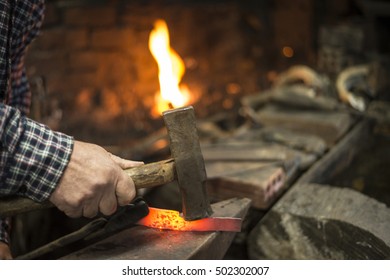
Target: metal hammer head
column 190, row 168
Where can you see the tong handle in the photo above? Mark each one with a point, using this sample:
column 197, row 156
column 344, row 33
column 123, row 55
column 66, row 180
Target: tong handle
column 124, row 217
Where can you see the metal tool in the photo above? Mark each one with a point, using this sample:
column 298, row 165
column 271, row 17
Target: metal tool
column 136, row 213
column 143, row 243
column 99, row 228
column 186, row 166
column 172, row 220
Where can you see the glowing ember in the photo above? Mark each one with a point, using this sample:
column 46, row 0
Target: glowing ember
column 171, row 70
column 288, row 51
column 172, row 220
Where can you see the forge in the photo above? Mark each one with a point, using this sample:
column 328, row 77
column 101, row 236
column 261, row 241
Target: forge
column 285, row 95
column 97, row 68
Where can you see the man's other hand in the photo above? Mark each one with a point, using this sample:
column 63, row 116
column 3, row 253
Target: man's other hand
column 93, row 182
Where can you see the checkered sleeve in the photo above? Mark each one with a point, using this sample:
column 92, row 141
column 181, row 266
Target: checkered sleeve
column 32, row 157
column 5, row 226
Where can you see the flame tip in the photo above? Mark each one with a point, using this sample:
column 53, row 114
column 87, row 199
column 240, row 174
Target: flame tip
column 171, row 69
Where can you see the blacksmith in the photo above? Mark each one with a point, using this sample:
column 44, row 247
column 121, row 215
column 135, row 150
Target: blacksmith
column 80, row 179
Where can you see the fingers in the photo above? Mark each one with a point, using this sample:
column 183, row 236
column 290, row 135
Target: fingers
column 65, row 204
column 125, row 190
column 124, row 163
column 74, row 213
column 91, row 209
column 93, row 181
column 108, row 204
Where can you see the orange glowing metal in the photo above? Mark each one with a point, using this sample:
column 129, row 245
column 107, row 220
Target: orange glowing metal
column 172, row 220
column 171, row 69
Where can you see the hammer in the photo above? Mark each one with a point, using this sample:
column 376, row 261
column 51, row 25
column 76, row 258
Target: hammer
column 186, row 165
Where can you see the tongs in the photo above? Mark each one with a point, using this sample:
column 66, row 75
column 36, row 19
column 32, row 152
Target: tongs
column 124, row 217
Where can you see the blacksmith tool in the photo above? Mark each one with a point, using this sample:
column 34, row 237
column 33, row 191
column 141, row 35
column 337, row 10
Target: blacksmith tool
column 142, row 243
column 186, row 166
column 124, row 217
column 172, row 220
column 135, row 213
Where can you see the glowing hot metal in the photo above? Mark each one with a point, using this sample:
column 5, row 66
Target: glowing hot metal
column 172, row 220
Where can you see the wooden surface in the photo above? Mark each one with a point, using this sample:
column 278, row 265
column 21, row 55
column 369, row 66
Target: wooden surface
column 152, row 174
column 146, row 243
column 339, row 156
column 305, row 142
column 330, row 126
column 255, row 151
column 11, row 206
column 252, row 169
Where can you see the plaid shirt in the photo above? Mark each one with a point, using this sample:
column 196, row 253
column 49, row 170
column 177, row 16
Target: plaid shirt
column 32, row 157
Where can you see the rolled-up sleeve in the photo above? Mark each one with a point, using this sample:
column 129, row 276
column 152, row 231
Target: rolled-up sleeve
column 32, row 156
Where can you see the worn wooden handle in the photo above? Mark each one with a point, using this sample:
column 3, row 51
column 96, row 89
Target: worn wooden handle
column 144, row 176
column 152, row 174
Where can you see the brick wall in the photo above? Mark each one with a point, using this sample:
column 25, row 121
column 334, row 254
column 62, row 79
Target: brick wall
column 94, row 57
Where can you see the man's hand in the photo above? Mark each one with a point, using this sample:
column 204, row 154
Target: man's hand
column 93, row 182
column 5, row 252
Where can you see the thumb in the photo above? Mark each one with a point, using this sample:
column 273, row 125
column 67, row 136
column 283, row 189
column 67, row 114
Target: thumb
column 124, row 163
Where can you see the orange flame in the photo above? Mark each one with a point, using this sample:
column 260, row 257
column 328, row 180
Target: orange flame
column 171, row 70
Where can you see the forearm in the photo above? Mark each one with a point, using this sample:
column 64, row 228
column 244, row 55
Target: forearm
column 33, row 158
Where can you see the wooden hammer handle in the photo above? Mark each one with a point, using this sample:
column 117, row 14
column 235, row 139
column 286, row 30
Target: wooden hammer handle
column 152, row 174
column 144, row 176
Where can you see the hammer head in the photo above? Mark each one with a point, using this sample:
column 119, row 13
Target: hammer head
column 190, row 168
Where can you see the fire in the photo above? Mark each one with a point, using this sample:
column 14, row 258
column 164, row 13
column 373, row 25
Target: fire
column 171, row 70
